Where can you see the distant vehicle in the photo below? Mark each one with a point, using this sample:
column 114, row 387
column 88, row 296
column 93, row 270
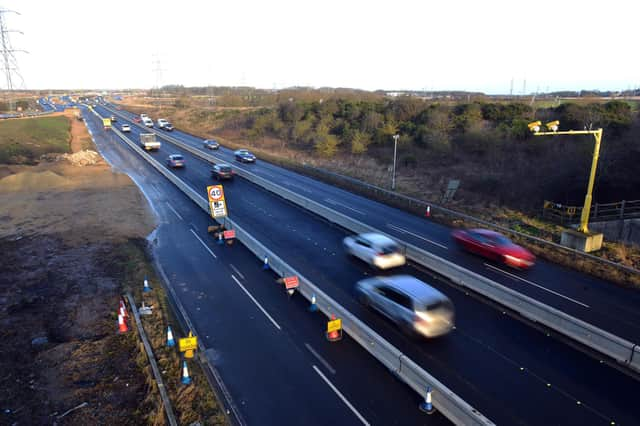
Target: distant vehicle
column 114, row 118
column 125, row 128
column 175, row 160
column 168, row 127
column 414, row 305
column 222, row 171
column 375, row 249
column 149, row 141
column 244, row 156
column 147, row 122
column 137, row 119
column 161, row 122
column 143, row 116
column 211, row 144
column 494, row 246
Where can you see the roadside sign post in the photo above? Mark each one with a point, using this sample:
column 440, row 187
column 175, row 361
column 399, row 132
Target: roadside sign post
column 188, row 345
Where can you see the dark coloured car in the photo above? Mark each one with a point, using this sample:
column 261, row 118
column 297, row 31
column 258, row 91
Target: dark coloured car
column 168, row 127
column 244, row 156
column 114, row 118
column 494, row 246
column 222, row 171
column 175, row 160
column 211, row 144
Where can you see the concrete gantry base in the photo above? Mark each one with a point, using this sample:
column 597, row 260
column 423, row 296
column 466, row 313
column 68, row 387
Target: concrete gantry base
column 589, row 242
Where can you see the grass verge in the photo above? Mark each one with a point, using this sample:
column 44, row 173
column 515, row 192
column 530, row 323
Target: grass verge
column 23, row 141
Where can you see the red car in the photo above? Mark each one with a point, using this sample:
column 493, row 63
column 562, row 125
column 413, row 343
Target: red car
column 494, row 246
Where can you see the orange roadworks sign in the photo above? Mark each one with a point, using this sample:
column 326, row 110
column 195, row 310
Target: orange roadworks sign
column 290, row 282
column 229, row 234
column 334, row 325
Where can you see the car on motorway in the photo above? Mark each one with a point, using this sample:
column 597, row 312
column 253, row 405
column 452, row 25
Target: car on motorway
column 175, row 160
column 222, row 171
column 161, row 122
column 125, row 128
column 168, row 127
column 114, row 118
column 244, row 156
column 414, row 305
column 377, row 250
column 494, row 246
column 147, row 122
column 137, row 119
column 211, row 144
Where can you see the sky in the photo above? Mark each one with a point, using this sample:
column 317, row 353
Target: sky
column 392, row 45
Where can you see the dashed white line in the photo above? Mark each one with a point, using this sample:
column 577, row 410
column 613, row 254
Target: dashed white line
column 335, row 203
column 236, row 270
column 174, row 210
column 256, row 302
column 203, row 244
column 514, row 276
column 286, row 182
column 404, row 231
column 348, row 404
column 322, row 360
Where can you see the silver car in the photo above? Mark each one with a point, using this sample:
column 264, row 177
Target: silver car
column 375, row 249
column 414, row 305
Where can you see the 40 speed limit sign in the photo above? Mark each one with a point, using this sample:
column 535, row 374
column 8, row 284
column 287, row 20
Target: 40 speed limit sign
column 217, row 204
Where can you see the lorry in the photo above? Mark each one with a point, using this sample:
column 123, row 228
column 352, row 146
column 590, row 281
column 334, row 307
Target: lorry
column 149, row 141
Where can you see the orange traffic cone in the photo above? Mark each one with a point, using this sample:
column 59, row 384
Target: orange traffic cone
column 335, row 335
column 122, row 325
column 428, row 212
column 123, row 309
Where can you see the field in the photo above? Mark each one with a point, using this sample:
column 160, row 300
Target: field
column 23, row 141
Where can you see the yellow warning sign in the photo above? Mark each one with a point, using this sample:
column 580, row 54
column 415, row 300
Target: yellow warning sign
column 188, row 343
column 106, row 122
column 334, row 325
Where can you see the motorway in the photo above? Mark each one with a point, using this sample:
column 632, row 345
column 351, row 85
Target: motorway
column 269, row 350
column 511, row 372
column 598, row 302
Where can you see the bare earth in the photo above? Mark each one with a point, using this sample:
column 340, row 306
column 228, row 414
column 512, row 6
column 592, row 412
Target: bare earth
column 62, row 226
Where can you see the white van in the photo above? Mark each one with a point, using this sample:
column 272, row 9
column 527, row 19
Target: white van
column 162, row 122
column 147, row 122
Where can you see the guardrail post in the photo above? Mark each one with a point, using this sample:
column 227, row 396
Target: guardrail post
column 622, row 209
column 595, row 211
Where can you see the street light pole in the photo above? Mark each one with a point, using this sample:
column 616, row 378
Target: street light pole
column 395, row 151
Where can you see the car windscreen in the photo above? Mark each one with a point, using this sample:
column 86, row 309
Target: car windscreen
column 225, row 169
column 389, row 249
column 177, row 158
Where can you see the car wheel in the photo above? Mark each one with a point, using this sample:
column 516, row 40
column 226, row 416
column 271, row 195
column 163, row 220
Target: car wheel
column 408, row 330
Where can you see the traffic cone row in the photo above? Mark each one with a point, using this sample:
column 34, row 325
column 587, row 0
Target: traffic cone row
column 122, row 317
column 146, row 287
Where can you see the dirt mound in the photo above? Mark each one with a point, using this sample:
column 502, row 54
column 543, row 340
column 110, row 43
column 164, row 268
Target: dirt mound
column 82, row 158
column 32, row 181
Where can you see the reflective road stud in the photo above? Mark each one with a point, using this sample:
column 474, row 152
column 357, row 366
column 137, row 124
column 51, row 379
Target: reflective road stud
column 427, row 406
column 186, row 380
column 170, row 341
column 146, row 287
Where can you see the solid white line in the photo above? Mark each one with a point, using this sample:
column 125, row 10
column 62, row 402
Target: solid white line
column 335, row 203
column 174, row 210
column 322, row 360
column 236, row 270
column 256, row 302
column 397, row 228
column 202, row 242
column 362, row 419
column 535, row 285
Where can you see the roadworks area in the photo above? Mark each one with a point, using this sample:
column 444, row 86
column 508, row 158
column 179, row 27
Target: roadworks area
column 72, row 242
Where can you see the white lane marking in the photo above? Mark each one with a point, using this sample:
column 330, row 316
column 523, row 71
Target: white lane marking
column 362, row 419
column 204, row 245
column 236, row 270
column 155, row 190
column 256, row 302
column 404, row 231
column 286, row 182
column 174, row 210
column 335, row 203
column 509, row 274
column 322, row 360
